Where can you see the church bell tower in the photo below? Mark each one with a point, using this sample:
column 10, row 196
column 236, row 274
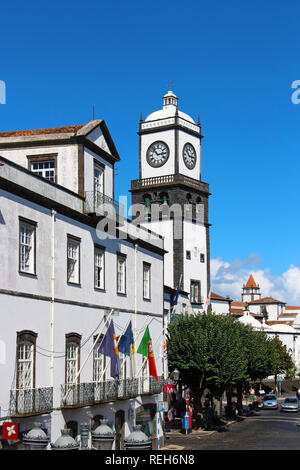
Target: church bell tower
column 173, row 197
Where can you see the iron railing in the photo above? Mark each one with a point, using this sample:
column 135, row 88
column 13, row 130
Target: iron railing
column 128, row 388
column 102, row 205
column 28, row 401
column 84, row 394
column 77, row 394
column 151, row 386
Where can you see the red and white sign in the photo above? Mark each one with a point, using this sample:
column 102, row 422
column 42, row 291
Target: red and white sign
column 168, row 388
column 10, row 431
column 187, row 399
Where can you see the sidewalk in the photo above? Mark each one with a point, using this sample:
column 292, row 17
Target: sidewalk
column 171, row 437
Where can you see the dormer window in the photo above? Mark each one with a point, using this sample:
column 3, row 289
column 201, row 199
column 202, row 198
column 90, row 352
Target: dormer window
column 44, row 166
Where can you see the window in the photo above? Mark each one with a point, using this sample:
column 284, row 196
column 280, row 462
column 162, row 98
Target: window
column 73, row 260
column 147, row 203
column 26, row 341
column 188, row 254
column 72, row 357
column 202, row 258
column 121, row 274
column 44, row 165
column 195, row 292
column 99, row 362
column 146, row 281
column 27, row 244
column 99, row 268
column 98, row 179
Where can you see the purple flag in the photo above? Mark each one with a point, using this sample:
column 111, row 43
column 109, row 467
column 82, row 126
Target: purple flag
column 109, row 347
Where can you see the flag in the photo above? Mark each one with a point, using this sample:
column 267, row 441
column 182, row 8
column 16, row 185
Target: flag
column 177, row 288
column 127, row 347
column 207, row 302
column 145, row 348
column 109, row 347
column 165, row 358
column 10, row 431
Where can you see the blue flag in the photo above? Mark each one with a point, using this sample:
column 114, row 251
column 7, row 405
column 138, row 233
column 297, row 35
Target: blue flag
column 126, row 345
column 109, row 347
column 175, row 298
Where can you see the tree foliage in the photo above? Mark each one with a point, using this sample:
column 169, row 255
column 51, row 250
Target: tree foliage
column 217, row 352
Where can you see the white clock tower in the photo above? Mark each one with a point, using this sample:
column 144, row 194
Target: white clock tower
column 174, row 198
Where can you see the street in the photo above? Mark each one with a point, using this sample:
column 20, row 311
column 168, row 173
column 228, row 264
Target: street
column 265, row 430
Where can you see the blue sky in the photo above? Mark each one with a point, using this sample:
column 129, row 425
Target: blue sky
column 232, row 62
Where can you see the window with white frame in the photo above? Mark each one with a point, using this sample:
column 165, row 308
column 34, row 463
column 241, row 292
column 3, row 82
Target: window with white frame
column 99, row 364
column 195, row 296
column 99, row 268
column 27, row 241
column 73, row 261
column 71, row 362
column 46, row 169
column 25, row 365
column 121, row 274
column 146, row 281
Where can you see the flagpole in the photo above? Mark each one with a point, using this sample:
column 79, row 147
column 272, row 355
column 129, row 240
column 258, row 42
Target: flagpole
column 86, row 359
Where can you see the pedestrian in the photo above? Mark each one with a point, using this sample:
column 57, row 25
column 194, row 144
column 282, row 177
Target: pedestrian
column 170, row 417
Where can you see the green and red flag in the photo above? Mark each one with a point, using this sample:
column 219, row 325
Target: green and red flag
column 145, row 348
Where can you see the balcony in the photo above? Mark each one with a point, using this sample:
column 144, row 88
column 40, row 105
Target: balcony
column 77, row 395
column 31, row 401
column 101, row 205
column 85, row 394
column 167, row 180
column 149, row 386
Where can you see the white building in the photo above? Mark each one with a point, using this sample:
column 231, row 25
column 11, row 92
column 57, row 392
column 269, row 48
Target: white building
column 270, row 315
column 64, row 268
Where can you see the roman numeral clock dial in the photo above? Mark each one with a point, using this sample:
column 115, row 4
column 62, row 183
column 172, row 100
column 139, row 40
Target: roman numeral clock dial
column 189, row 156
column 157, row 154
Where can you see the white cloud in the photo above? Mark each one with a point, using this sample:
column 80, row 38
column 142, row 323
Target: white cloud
column 228, row 279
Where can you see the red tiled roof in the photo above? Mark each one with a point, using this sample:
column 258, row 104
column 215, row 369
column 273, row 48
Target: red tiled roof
column 288, row 314
column 251, row 282
column 213, row 295
column 280, row 323
column 238, row 304
column 51, row 130
column 266, row 300
column 289, row 307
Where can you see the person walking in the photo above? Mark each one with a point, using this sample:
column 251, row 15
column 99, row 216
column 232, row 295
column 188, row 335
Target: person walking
column 170, row 418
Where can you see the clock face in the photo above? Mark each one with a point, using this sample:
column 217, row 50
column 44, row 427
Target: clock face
column 189, row 156
column 157, row 154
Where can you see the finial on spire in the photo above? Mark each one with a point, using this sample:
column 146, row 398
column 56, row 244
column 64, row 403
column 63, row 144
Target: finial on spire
column 141, row 117
column 198, row 122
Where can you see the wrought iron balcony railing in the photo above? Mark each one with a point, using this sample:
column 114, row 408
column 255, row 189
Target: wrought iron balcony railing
column 102, row 205
column 77, row 394
column 85, row 394
column 128, row 388
column 30, row 401
column 151, row 386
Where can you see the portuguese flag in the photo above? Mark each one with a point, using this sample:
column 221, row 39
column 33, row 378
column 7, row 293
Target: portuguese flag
column 145, row 348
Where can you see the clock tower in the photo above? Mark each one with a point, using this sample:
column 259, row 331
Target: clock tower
column 173, row 197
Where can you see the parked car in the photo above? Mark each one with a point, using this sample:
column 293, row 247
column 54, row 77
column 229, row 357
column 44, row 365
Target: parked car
column 290, row 404
column 270, row 401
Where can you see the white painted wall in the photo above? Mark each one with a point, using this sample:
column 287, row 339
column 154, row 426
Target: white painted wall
column 195, row 236
column 169, row 167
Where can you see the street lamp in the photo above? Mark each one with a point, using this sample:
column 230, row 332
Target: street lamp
column 176, row 374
